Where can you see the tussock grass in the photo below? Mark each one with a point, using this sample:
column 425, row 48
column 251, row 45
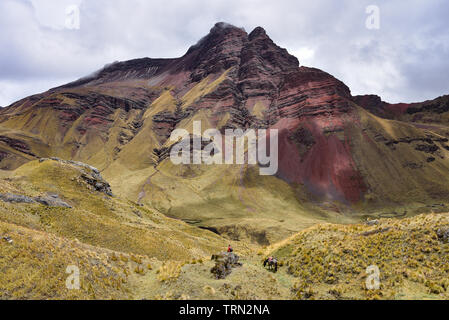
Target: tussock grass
column 329, row 261
column 34, row 267
column 169, row 271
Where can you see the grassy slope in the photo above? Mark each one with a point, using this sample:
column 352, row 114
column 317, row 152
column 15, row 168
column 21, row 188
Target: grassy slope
column 329, row 261
column 120, row 255
column 34, row 267
column 50, row 238
column 414, row 190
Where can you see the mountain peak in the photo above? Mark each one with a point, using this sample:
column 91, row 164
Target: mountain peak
column 223, row 27
column 219, row 33
column 258, row 32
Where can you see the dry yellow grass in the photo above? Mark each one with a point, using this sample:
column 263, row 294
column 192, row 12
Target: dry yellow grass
column 34, row 266
column 169, row 271
column 113, row 241
column 100, row 220
column 330, row 261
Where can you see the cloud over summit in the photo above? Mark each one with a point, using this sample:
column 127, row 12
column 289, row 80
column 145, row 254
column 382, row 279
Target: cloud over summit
column 405, row 60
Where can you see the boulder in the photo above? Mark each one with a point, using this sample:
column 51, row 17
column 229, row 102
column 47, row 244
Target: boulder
column 381, row 230
column 443, row 234
column 8, row 239
column 224, row 262
column 372, row 222
column 15, row 198
column 52, row 200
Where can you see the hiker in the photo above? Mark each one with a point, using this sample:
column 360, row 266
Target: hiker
column 230, row 248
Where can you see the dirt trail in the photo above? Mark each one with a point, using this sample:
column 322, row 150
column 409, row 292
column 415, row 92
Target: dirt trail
column 195, row 281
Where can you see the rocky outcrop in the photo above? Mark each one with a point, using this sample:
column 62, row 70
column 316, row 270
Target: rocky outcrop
column 372, row 232
column 372, row 222
column 375, row 105
column 14, row 198
column 50, row 200
column 224, row 262
column 89, row 175
column 443, row 234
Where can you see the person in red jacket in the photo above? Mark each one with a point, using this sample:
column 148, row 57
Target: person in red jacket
column 230, row 248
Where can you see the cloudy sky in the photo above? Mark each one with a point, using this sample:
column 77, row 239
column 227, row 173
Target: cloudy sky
column 406, row 59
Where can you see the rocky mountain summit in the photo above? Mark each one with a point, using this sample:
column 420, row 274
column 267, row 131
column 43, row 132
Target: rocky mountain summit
column 86, row 179
column 340, row 156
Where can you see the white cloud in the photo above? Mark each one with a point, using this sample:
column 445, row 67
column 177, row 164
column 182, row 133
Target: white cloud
column 306, row 55
column 51, row 13
column 13, row 90
column 403, row 61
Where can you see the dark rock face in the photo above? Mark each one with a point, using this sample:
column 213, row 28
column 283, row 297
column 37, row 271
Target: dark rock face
column 218, row 51
column 436, row 106
column 224, row 262
column 165, row 122
column 424, row 144
column 372, row 103
column 428, row 148
column 412, row 165
column 97, row 184
column 375, row 105
column 381, row 230
column 262, row 64
column 97, row 108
